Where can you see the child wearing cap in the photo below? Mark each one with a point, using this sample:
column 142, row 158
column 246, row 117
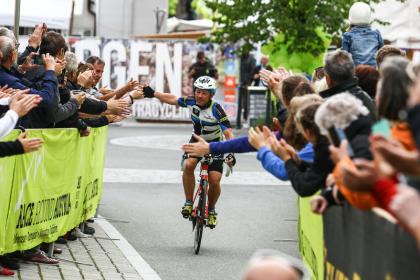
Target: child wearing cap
column 361, row 40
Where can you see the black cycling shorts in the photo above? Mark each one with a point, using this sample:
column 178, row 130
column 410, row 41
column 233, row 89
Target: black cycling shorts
column 218, row 160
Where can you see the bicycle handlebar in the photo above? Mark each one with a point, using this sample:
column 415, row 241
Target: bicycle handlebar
column 229, row 169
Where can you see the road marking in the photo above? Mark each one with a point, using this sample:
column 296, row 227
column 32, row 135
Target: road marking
column 159, row 176
column 135, row 259
column 163, row 142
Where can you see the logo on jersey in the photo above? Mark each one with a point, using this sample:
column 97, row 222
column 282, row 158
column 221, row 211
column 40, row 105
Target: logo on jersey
column 196, row 111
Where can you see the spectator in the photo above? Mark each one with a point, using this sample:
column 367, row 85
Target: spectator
column 202, row 67
column 105, row 93
column 48, row 85
column 256, row 73
column 390, row 156
column 368, row 79
column 340, row 77
column 273, row 265
column 393, row 97
column 84, row 79
column 20, row 105
column 387, row 51
column 361, row 41
column 247, row 65
column 344, row 111
column 269, row 160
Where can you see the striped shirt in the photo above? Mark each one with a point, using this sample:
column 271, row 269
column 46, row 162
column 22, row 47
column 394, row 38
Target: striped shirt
column 209, row 121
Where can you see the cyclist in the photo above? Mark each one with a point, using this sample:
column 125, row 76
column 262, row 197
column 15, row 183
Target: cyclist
column 210, row 121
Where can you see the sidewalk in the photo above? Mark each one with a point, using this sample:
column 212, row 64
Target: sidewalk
column 91, row 258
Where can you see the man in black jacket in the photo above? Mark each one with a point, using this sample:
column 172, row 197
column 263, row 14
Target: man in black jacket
column 340, row 75
column 54, row 44
column 48, row 86
column 247, row 65
column 202, row 67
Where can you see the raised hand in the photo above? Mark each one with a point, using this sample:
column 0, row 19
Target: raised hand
column 105, row 90
column 35, row 38
column 395, row 155
column 360, row 177
column 137, row 94
column 118, row 106
column 80, row 98
column 22, row 103
column 114, row 118
column 132, row 84
column 339, row 153
column 256, row 138
column 197, row 149
column 59, row 66
column 49, row 62
column 28, row 63
column 279, row 149
column 86, row 79
column 292, row 152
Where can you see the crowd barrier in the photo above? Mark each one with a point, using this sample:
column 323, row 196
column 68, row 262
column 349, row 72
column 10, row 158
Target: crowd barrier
column 347, row 243
column 45, row 194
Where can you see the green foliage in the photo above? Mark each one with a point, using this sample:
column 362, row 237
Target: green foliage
column 296, row 61
column 172, row 7
column 299, row 21
column 201, row 9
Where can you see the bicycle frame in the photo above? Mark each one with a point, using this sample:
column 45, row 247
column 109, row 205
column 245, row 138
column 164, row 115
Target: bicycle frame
column 201, row 210
column 204, row 177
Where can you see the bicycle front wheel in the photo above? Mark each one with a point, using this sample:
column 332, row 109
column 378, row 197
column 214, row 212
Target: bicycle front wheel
column 201, row 216
column 198, row 235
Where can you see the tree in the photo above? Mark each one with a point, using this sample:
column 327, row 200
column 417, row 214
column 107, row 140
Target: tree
column 301, row 23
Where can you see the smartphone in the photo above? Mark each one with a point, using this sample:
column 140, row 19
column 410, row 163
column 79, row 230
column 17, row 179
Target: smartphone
column 337, row 135
column 38, row 59
column 383, row 128
column 76, row 92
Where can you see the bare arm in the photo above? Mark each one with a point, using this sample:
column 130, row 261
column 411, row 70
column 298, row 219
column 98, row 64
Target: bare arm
column 167, row 98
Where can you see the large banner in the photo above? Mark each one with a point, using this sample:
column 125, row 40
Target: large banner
column 46, row 193
column 311, row 241
column 362, row 245
column 164, row 65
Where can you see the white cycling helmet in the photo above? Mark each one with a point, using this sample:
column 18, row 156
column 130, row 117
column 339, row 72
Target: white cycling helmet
column 359, row 14
column 207, row 83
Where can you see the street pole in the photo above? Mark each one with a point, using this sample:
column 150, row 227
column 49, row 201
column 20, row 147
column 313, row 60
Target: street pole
column 268, row 108
column 17, row 19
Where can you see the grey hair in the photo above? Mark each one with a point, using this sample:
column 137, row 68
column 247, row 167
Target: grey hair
column 269, row 254
column 6, row 47
column 340, row 111
column 71, row 62
column 339, row 66
column 7, row 32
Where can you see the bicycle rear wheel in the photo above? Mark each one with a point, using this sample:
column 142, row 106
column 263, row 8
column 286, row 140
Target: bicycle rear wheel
column 201, row 216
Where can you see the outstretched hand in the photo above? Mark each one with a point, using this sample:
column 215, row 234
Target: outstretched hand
column 197, row 149
column 31, row 144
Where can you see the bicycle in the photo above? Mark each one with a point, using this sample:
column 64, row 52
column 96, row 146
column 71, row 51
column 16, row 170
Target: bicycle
column 199, row 215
